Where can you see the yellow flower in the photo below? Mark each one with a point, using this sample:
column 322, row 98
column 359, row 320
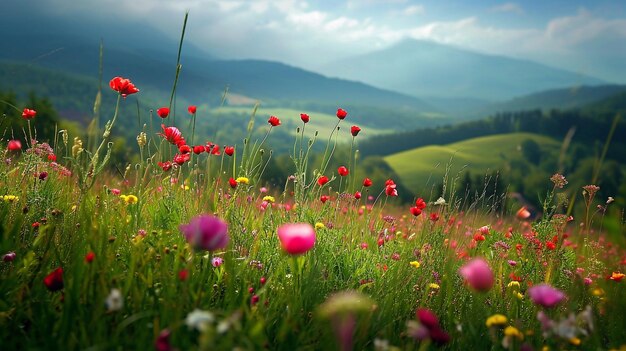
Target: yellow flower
column 269, row 199
column 519, row 295
column 319, row 225
column 434, row 286
column 597, row 292
column 10, row 198
column 513, row 332
column 575, row 341
column 514, row 285
column 496, row 319
column 185, row 187
column 129, row 199
column 415, row 264
column 242, row 180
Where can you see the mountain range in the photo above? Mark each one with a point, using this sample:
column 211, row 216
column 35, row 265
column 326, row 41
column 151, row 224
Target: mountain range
column 414, row 83
column 426, row 68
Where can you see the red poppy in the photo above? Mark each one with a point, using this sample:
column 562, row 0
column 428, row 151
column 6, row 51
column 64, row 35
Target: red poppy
column 183, row 275
column 163, row 112
column 172, row 134
column 434, row 217
column 367, row 182
column 167, row 165
column 341, row 113
column 420, row 203
column 273, row 121
column 355, row 130
column 550, row 245
column 123, row 86
column 343, row 171
column 54, row 280
column 184, row 149
column 229, row 150
column 192, row 109
column 324, row 198
column 232, row 182
column 181, row 159
column 304, row 117
column 523, row 213
column 198, row 149
column 215, row 150
column 28, row 113
column 416, row 211
column 14, row 145
column 52, row 157
column 322, row 180
column 89, row 257
column 479, row 237
column 390, row 188
column 357, row 195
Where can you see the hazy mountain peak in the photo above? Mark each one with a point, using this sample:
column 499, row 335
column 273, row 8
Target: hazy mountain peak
column 428, row 68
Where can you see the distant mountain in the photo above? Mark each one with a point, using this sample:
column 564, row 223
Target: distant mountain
column 424, row 68
column 562, row 99
column 203, row 80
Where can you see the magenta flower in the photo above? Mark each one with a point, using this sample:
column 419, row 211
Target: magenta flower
column 545, row 295
column 296, row 238
column 477, row 274
column 206, row 232
column 217, row 261
column 428, row 327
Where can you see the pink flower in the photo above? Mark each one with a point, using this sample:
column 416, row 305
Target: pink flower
column 545, row 295
column 217, row 261
column 9, row 257
column 206, row 232
column 296, row 238
column 477, row 274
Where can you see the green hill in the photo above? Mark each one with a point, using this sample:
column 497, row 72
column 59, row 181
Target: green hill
column 422, row 167
column 290, row 119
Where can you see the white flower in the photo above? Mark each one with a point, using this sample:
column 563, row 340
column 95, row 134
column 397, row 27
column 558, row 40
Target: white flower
column 611, row 199
column 440, row 201
column 223, row 326
column 115, row 300
column 199, row 319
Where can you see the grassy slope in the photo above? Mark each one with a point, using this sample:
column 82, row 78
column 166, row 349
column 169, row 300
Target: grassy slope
column 424, row 166
column 290, row 119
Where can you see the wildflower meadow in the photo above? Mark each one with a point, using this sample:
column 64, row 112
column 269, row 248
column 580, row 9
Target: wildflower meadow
column 188, row 249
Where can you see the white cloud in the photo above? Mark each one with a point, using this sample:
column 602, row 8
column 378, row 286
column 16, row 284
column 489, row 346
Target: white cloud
column 508, row 7
column 413, row 10
column 303, row 34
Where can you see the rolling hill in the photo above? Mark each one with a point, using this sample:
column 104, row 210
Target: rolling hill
column 419, row 169
column 561, row 99
column 423, row 68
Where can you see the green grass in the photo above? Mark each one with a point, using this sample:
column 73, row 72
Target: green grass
column 290, row 119
column 421, row 167
column 261, row 297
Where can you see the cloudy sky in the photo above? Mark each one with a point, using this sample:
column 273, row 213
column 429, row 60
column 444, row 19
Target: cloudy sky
column 584, row 36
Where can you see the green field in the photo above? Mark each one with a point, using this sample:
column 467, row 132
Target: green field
column 422, row 167
column 290, row 119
